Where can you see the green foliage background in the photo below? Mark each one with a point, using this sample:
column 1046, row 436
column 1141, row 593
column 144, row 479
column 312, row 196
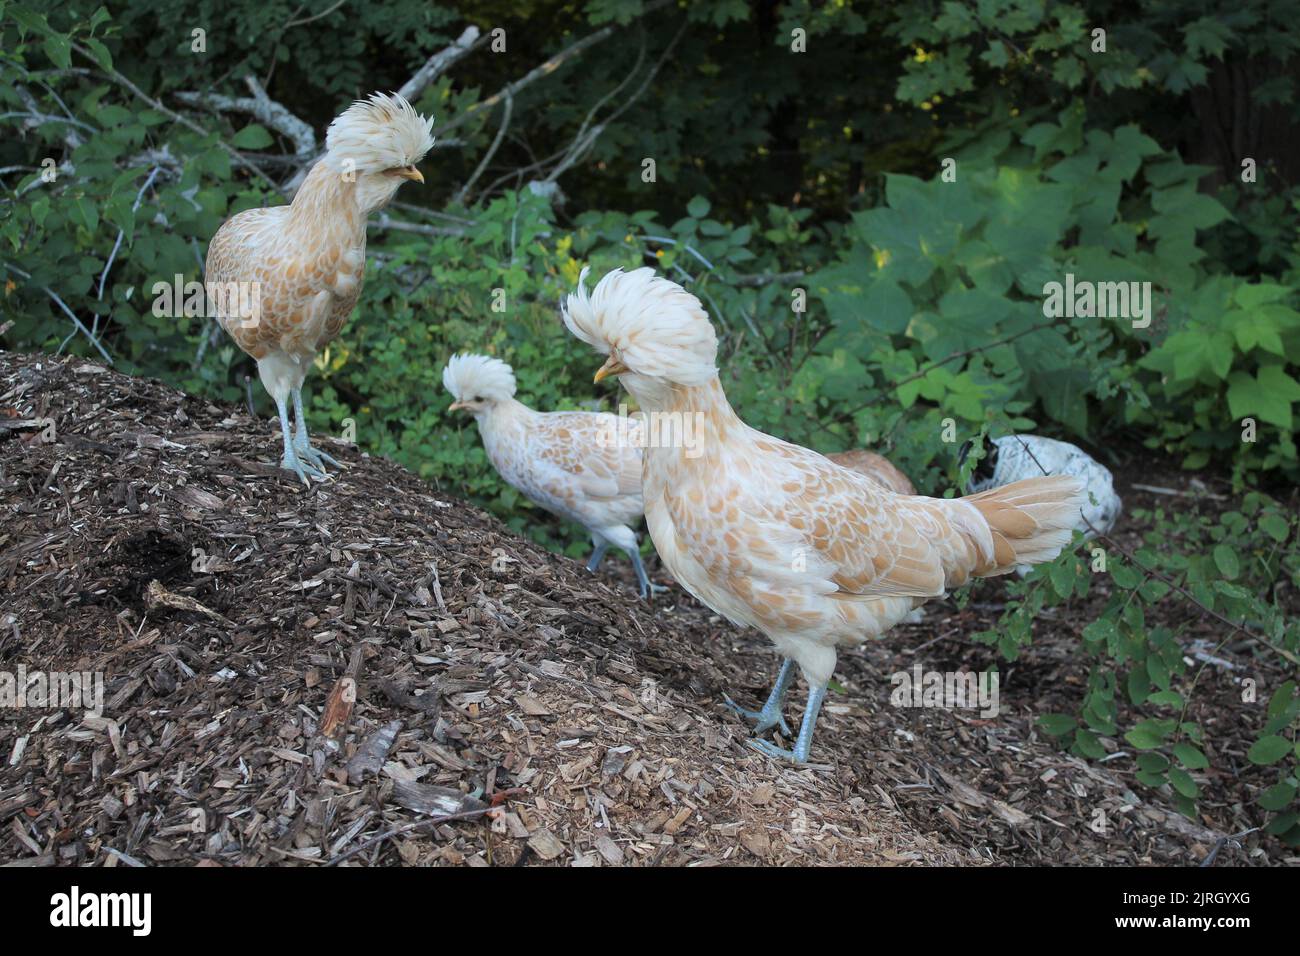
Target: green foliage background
column 781, row 178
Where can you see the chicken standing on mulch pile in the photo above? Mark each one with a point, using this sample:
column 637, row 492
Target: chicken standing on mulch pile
column 312, row 676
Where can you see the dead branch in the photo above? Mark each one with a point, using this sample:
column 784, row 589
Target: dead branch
column 583, row 143
column 439, row 63
column 487, row 157
column 66, row 311
column 545, row 69
column 175, row 117
column 264, row 109
column 338, row 707
column 385, row 223
column 313, row 18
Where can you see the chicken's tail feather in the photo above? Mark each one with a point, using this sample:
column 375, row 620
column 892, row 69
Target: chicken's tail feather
column 1030, row 520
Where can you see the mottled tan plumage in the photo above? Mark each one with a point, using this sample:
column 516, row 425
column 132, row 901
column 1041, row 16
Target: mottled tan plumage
column 772, row 535
column 307, row 260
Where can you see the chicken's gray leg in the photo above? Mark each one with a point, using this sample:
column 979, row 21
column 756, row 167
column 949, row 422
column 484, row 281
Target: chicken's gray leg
column 647, row 586
column 804, row 741
column 291, row 461
column 770, row 715
column 597, row 555
column 302, row 444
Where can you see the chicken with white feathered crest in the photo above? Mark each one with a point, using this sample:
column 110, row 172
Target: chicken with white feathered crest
column 772, row 535
column 582, row 466
column 307, row 259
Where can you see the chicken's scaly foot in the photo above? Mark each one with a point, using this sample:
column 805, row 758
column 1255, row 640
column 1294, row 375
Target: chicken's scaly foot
column 770, row 715
column 764, row 720
column 314, row 457
column 648, row 587
column 291, row 461
column 804, row 741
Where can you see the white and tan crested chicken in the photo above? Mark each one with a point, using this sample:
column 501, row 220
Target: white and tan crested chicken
column 308, row 258
column 772, row 535
column 582, row 466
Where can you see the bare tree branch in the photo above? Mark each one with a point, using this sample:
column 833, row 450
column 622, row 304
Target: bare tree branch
column 263, row 108
column 487, row 157
column 545, row 69
column 312, row 19
column 66, row 311
column 411, row 89
column 385, row 222
column 189, row 124
column 583, row 142
column 439, row 63
column 121, row 232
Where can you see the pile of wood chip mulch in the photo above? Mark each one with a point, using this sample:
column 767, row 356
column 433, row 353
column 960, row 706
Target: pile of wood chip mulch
column 375, row 672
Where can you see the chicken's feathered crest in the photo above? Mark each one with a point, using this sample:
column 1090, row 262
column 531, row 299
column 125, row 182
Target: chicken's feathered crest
column 470, row 377
column 654, row 326
column 378, row 133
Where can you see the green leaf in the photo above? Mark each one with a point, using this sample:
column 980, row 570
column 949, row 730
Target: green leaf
column 59, row 49
column 886, row 306
column 1182, row 781
column 1269, row 395
column 698, row 207
column 1190, row 756
column 86, row 212
column 1144, row 738
column 1225, row 559
column 1277, row 797
column 1153, row 762
column 1268, row 750
column 1125, row 576
column 1149, row 779
column 1206, row 37
column 1088, row 744
column 1275, row 526
column 1158, row 671
column 1062, row 575
column 1057, row 725
column 100, row 52
column 251, row 136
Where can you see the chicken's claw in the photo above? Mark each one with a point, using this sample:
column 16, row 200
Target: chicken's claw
column 315, row 457
column 769, row 749
column 764, row 719
column 291, row 462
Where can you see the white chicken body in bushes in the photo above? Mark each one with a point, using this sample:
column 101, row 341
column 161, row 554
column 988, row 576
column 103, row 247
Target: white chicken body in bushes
column 1016, row 457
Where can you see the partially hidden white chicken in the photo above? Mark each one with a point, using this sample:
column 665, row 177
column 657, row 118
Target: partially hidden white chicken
column 1016, row 457
column 582, row 466
column 816, row 556
column 304, row 262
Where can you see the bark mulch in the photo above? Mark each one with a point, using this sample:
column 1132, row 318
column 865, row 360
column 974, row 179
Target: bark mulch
column 323, row 676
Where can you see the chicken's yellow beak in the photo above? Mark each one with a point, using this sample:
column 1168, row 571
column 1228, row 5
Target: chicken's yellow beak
column 410, row 172
column 612, row 366
column 455, row 406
